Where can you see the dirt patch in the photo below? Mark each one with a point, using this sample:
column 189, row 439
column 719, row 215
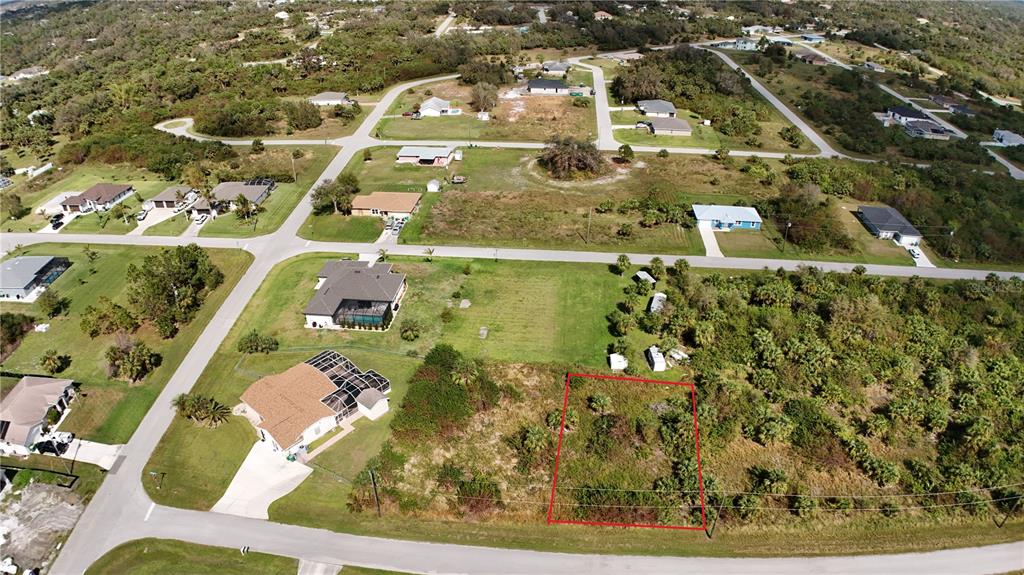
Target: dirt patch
column 34, row 520
column 540, row 117
column 450, row 90
column 618, row 172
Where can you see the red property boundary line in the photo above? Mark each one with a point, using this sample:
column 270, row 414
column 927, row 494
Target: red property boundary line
column 558, row 456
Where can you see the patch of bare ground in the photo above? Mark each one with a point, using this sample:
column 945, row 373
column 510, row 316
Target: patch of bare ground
column 34, row 520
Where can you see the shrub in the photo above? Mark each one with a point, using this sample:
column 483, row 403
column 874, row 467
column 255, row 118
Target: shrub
column 410, row 329
column 253, row 342
column 52, row 362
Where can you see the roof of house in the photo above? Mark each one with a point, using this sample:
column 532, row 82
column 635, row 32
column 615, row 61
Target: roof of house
column 926, row 126
column 353, row 280
column 556, row 66
column 26, row 405
column 907, row 112
column 328, row 97
column 435, row 103
column 943, row 100
column 668, row 124
column 16, row 273
column 388, row 201
column 229, row 191
column 425, row 152
column 546, row 84
column 719, row 213
column 99, row 193
column 171, row 194
column 369, row 397
column 886, row 219
column 290, row 402
column 656, row 106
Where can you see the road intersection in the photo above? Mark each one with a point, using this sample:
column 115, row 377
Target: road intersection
column 122, row 511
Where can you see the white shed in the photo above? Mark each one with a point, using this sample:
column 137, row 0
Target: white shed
column 617, row 362
column 657, row 302
column 655, row 359
column 433, row 186
column 644, row 276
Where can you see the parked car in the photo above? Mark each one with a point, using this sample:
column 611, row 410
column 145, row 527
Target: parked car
column 57, row 218
column 914, row 253
column 54, row 447
column 202, row 219
column 141, row 215
column 416, row 116
column 406, row 114
column 458, row 179
column 56, row 225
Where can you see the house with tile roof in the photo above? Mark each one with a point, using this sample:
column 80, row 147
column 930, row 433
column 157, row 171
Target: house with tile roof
column 27, row 410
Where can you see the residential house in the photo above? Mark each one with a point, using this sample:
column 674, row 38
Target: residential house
column 435, row 107
column 601, row 16
column 30, row 72
column 25, row 277
column 887, row 223
column 944, row 101
column 386, row 204
column 655, row 358
column 903, row 114
column 875, row 67
column 812, row 38
column 926, row 129
column 1008, row 138
column 745, row 44
column 26, row 411
column 294, row 408
column 667, row 126
column 330, row 99
column 760, row 30
column 808, row 57
column 963, row 110
column 225, row 195
column 99, row 197
column 548, row 87
column 556, row 68
column 354, row 294
column 726, row 218
column 656, row 108
column 427, row 155
column 174, row 196
column 781, row 41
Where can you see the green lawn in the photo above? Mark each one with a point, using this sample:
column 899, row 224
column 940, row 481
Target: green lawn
column 175, row 226
column 160, row 556
column 108, row 410
column 84, row 478
column 706, row 136
column 280, row 203
column 611, row 67
column 338, row 228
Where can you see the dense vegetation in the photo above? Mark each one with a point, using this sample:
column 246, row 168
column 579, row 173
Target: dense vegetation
column 169, row 287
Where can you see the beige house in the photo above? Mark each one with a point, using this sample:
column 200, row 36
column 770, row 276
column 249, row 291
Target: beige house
column 23, row 414
column 386, row 204
column 99, row 197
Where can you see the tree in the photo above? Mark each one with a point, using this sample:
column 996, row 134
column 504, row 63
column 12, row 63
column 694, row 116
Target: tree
column 50, row 303
column 52, row 362
column 721, row 154
column 622, row 264
column 245, row 209
column 257, row 146
column 303, row 115
column 132, row 360
column 335, row 196
column 657, row 269
column 10, row 204
column 626, row 153
column 201, row 410
column 429, row 254
column 107, row 317
column 121, row 211
column 485, row 96
column 253, row 342
column 170, row 287
column 90, row 254
column 792, row 135
column 566, row 157
column 410, row 329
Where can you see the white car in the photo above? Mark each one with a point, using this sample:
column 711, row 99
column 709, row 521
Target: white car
column 202, row 219
column 914, row 253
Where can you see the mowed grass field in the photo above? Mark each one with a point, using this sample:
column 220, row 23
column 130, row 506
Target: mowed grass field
column 340, row 228
column 281, row 201
column 160, row 556
column 174, row 226
column 707, row 136
column 108, row 411
column 528, row 322
column 529, row 118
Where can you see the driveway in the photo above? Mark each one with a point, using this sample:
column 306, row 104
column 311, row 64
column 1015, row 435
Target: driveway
column 48, row 229
column 99, row 454
column 707, row 235
column 264, row 477
column 922, row 260
column 155, row 216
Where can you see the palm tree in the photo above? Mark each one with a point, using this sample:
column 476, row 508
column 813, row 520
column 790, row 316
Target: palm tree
column 185, row 405
column 216, row 412
column 243, row 207
column 429, row 252
column 120, row 211
column 382, row 255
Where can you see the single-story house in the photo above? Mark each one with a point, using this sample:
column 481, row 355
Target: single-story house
column 963, row 110
column 657, row 302
column 434, row 107
column 656, row 108
column 601, row 16
column 1008, row 138
column 809, row 57
column 726, row 218
column 20, row 277
column 812, row 38
column 759, row 30
column 294, row 408
column 745, row 44
column 667, row 126
column 925, row 129
column 386, row 204
column 904, row 114
column 645, row 277
column 549, row 87
column 617, row 362
column 888, row 223
column 174, row 196
column 330, row 99
column 781, row 41
column 427, row 155
column 556, row 67
column 23, row 414
column 225, row 194
column 354, row 294
column 944, row 101
column 30, row 72
column 99, row 197
column 655, row 358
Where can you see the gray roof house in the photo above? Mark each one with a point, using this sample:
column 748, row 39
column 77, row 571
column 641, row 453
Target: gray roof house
column 24, row 409
column 256, row 191
column 888, row 223
column 658, row 108
column 329, row 99
column 668, row 126
column 556, row 67
column 169, row 197
column 98, row 197
column 20, row 277
column 354, row 294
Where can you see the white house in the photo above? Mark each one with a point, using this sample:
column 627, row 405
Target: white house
column 617, row 362
column 655, row 358
column 25, row 277
column 99, row 197
column 666, row 126
column 656, row 108
column 427, row 155
column 726, row 218
column 888, row 223
column 25, row 411
column 556, row 68
column 875, row 67
column 330, row 99
column 745, row 44
column 547, row 87
column 1008, row 138
column 435, row 107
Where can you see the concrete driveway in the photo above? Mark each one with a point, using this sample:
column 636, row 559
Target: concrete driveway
column 155, row 216
column 707, row 235
column 99, row 454
column 264, row 477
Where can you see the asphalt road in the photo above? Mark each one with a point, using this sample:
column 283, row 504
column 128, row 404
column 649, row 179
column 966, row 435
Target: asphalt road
column 122, row 511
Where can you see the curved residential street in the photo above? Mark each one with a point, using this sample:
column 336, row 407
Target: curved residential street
column 122, row 511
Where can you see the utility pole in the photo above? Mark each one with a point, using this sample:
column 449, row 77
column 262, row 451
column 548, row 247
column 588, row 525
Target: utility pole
column 376, row 498
column 295, row 178
column 786, row 240
column 589, row 215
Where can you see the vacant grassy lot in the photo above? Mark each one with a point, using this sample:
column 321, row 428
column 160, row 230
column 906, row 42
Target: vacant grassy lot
column 707, row 136
column 109, row 410
column 769, row 243
column 522, row 119
column 339, row 228
column 174, row 226
column 281, row 201
column 158, row 556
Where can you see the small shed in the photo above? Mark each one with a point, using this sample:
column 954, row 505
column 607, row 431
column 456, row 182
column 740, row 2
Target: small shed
column 645, row 277
column 433, row 186
column 655, row 358
column 617, row 362
column 657, row 302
